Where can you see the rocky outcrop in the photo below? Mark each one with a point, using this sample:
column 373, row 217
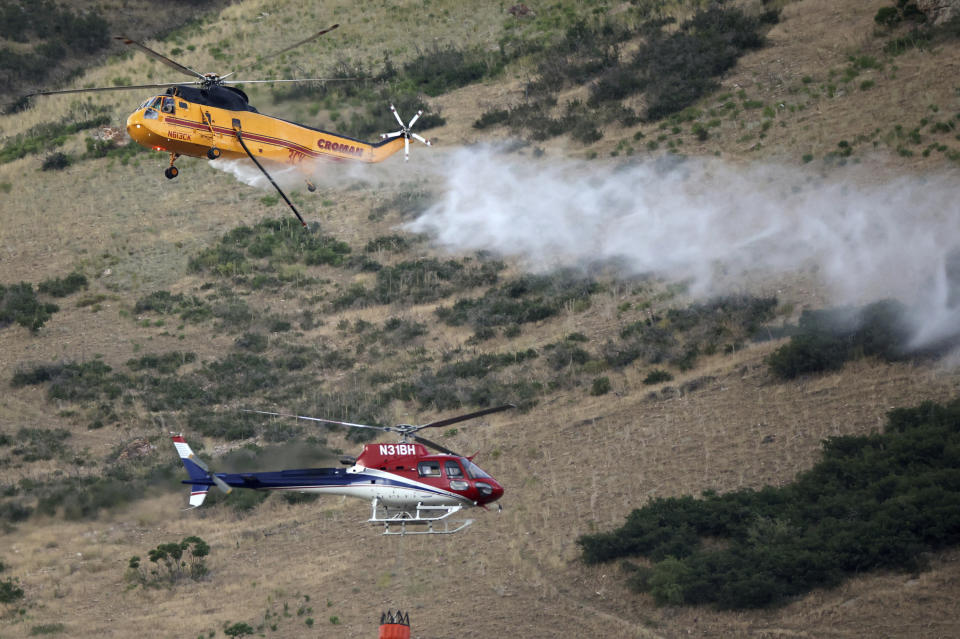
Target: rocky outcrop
column 939, row 11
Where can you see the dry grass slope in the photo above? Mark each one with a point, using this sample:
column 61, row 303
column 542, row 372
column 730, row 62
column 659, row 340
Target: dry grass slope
column 574, row 464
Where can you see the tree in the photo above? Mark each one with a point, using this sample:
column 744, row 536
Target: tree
column 173, row 562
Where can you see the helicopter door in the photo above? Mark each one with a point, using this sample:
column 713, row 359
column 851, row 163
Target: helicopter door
column 455, row 475
column 207, row 133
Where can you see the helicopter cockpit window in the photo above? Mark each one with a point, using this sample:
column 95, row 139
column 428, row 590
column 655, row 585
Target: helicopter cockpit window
column 453, row 470
column 167, row 106
column 150, row 112
column 474, row 471
column 429, row 469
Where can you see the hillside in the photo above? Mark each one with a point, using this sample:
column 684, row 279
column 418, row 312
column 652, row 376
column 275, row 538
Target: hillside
column 509, row 262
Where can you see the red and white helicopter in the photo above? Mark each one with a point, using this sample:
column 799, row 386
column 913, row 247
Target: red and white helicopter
column 405, row 483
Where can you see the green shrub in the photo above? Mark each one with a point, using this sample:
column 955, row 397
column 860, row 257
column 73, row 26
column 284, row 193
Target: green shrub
column 56, row 161
column 600, row 386
column 565, row 354
column 245, row 501
column 69, row 380
column 75, row 382
column 887, row 16
column 491, row 118
column 686, row 333
column 36, row 375
column 399, row 331
column 19, row 303
column 58, row 287
column 825, row 340
column 441, row 68
column 36, row 444
column 231, row 426
column 253, row 342
column 656, row 376
column 469, row 382
column 238, row 374
column 393, row 243
column 267, row 245
column 529, row 298
column 172, row 562
column 47, row 629
column 238, row 629
column 22, row 21
column 190, row 309
column 772, row 544
column 84, row 497
column 234, row 314
column 673, row 67
column 10, row 591
column 165, row 363
column 42, row 137
column 419, row 281
column 13, row 511
column 904, row 10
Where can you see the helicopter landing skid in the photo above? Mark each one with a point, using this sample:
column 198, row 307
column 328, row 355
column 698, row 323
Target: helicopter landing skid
column 424, row 516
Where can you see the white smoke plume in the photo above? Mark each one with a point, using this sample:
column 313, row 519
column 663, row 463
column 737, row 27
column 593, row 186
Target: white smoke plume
column 247, row 173
column 868, row 236
column 326, row 173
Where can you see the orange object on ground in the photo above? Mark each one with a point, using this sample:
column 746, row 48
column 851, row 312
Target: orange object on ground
column 395, row 626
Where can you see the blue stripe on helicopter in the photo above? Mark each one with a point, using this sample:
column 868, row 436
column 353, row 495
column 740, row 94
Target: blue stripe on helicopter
column 316, row 478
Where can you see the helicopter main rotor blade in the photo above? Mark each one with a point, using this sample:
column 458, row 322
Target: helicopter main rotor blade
column 159, row 56
column 318, row 419
column 435, row 446
column 290, row 80
column 304, row 41
column 124, row 88
column 461, row 418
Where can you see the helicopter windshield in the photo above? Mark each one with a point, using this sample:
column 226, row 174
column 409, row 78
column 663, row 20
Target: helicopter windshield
column 473, row 471
column 150, row 108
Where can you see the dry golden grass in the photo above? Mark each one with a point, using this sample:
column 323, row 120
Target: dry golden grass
column 573, row 465
column 569, row 467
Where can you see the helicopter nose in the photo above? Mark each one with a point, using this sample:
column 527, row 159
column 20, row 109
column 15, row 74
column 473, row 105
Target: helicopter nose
column 497, row 492
column 135, row 130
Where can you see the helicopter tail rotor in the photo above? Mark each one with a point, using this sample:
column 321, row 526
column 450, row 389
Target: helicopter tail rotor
column 200, row 474
column 405, row 131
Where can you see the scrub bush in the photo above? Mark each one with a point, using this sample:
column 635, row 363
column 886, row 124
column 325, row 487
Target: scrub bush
column 872, row 502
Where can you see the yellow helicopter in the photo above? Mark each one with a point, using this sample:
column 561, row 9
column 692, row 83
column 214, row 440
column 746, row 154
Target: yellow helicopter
column 210, row 117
